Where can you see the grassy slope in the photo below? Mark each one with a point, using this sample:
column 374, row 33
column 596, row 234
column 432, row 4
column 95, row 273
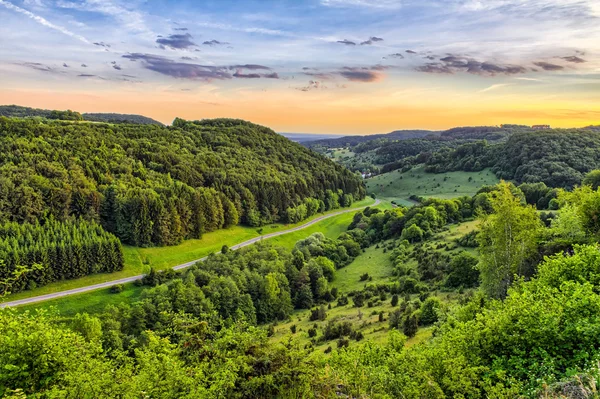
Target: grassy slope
column 379, row 266
column 139, row 260
column 397, row 186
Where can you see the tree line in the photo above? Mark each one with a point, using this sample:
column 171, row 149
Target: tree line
column 55, row 250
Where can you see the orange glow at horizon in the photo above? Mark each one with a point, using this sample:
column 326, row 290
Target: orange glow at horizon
column 356, row 113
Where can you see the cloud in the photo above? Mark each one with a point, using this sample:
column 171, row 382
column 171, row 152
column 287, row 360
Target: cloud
column 181, row 29
column 240, row 74
column 546, row 66
column 83, row 66
column 183, row 70
column 375, row 4
column 43, row 21
column 312, row 85
column 347, row 42
column 179, row 70
column 411, row 52
column 574, row 59
column 396, row 55
column 101, row 44
column 434, row 67
column 65, row 65
column 495, row 87
column 360, row 74
column 320, row 75
column 214, row 43
column 177, row 41
column 253, row 67
column 37, row 66
column 130, row 19
column 117, row 67
column 530, row 79
column 187, row 58
column 371, row 40
column 455, row 63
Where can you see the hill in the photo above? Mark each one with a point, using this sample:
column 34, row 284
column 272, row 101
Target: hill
column 158, row 185
column 120, row 118
column 557, row 157
column 349, row 141
column 17, row 111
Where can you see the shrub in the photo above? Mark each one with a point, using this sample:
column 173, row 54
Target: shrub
column 117, row 288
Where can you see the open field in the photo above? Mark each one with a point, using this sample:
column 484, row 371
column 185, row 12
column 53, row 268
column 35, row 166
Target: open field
column 373, row 261
column 140, row 260
column 398, row 187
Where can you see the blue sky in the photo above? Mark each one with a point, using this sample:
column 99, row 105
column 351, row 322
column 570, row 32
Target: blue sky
column 350, row 66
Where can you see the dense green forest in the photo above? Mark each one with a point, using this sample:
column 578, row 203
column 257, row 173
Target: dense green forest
column 559, row 158
column 120, row 118
column 154, row 185
column 530, row 330
column 16, row 111
column 53, row 250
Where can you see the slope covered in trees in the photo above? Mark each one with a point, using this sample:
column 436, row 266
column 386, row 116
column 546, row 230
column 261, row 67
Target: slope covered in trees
column 17, row 111
column 120, row 118
column 558, row 158
column 150, row 184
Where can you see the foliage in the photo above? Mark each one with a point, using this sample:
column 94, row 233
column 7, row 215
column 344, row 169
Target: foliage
column 64, row 250
column 507, row 238
column 154, row 185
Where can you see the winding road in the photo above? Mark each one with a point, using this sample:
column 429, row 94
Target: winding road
column 93, row 287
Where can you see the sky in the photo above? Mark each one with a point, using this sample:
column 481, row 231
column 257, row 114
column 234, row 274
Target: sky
column 322, row 66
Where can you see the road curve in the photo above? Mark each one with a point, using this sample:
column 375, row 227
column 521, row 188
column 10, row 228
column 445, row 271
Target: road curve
column 107, row 284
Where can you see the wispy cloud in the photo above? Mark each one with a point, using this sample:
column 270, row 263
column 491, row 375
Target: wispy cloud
column 495, row 87
column 383, row 4
column 43, row 21
column 130, row 19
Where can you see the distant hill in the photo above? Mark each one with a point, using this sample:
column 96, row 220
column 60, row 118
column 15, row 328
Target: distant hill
column 17, row 111
column 350, row 141
column 309, row 137
column 121, row 118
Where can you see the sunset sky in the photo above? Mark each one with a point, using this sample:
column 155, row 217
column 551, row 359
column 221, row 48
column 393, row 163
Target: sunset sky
column 322, row 66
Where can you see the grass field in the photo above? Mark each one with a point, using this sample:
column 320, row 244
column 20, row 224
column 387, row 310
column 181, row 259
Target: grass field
column 398, row 187
column 89, row 302
column 139, row 260
column 373, row 261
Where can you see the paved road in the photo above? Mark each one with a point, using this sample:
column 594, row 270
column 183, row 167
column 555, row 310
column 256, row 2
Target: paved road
column 178, row 267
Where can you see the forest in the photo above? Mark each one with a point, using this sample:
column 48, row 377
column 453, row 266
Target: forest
column 147, row 185
column 526, row 325
column 16, row 111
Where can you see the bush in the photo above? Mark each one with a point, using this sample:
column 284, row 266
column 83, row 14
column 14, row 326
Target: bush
column 117, row 288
